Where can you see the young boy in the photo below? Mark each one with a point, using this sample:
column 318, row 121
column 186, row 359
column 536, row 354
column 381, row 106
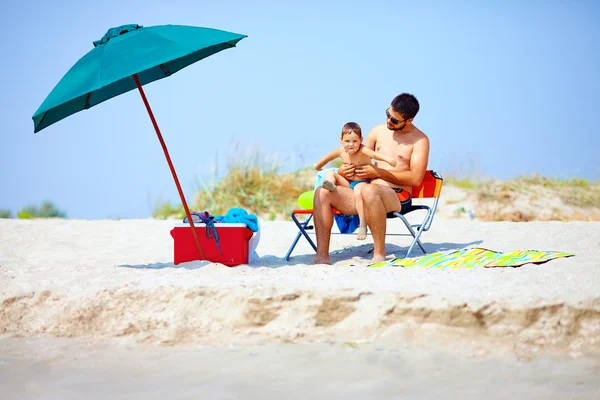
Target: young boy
column 351, row 152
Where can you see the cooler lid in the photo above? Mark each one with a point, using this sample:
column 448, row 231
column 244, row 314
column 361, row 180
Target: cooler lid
column 217, row 225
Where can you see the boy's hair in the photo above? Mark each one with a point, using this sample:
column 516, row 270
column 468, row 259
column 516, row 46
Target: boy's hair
column 406, row 104
column 351, row 127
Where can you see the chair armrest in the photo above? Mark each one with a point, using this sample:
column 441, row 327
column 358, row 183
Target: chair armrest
column 426, row 221
column 418, row 207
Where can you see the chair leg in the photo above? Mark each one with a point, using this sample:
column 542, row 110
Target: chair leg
column 289, row 252
column 301, row 232
column 414, row 234
column 416, row 240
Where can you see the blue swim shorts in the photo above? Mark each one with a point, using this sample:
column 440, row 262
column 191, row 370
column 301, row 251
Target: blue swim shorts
column 354, row 183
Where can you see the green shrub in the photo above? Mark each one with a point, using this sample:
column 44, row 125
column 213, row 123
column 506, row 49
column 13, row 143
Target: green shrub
column 24, row 214
column 46, row 210
column 166, row 210
column 5, row 213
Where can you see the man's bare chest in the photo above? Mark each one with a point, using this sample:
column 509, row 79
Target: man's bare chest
column 399, row 149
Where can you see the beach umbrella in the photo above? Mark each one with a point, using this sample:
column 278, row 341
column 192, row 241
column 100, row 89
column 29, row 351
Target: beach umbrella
column 128, row 57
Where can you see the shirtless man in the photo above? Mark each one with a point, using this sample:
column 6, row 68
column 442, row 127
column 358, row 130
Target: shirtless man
column 390, row 187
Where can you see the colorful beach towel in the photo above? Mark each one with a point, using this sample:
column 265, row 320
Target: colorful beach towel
column 475, row 258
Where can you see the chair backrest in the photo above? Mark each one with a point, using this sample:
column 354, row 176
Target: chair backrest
column 430, row 187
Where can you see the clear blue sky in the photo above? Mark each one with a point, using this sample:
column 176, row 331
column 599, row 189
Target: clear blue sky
column 506, row 88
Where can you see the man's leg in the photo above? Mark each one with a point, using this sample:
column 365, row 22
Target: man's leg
column 343, row 201
column 380, row 200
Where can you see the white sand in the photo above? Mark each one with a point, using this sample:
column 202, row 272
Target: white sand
column 97, row 309
column 63, row 369
column 116, row 279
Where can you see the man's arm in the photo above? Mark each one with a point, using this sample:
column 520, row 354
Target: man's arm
column 412, row 177
column 347, row 171
column 329, row 157
column 371, row 139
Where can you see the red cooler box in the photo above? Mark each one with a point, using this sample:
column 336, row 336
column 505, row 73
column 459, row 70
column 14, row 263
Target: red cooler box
column 233, row 241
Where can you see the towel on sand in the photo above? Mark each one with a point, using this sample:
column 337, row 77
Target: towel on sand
column 475, row 258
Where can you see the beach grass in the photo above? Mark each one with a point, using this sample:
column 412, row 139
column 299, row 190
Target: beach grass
column 574, row 192
column 46, row 210
column 254, row 181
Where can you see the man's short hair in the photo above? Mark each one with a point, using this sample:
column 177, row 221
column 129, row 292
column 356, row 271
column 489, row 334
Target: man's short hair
column 406, row 104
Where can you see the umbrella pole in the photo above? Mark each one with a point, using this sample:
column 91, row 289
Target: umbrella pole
column 164, row 146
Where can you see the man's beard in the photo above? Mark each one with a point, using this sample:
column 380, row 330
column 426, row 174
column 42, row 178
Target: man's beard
column 396, row 128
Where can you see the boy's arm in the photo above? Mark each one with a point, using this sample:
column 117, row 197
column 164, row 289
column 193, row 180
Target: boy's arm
column 329, row 157
column 371, row 154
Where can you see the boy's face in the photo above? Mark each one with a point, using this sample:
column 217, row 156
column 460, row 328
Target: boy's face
column 351, row 142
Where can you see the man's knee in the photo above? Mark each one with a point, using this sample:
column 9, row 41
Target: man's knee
column 322, row 196
column 319, row 193
column 370, row 193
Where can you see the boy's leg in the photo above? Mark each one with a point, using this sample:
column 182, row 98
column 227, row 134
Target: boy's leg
column 332, row 179
column 329, row 181
column 362, row 228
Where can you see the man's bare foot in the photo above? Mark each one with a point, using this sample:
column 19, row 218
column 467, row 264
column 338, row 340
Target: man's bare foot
column 321, row 260
column 377, row 259
column 362, row 232
column 329, row 186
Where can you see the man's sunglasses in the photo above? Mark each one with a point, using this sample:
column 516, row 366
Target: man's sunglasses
column 392, row 119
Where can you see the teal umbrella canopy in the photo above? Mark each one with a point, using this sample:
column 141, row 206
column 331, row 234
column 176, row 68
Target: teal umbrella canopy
column 128, row 57
column 108, row 70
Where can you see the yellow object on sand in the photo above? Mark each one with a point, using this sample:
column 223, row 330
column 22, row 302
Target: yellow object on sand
column 305, row 200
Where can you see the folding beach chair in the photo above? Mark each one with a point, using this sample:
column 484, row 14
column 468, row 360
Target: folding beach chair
column 430, row 188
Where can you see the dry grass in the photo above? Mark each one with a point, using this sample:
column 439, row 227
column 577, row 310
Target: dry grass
column 574, row 192
column 252, row 182
column 464, row 182
column 532, row 198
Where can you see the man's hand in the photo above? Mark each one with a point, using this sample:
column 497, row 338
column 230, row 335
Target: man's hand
column 366, row 171
column 347, row 171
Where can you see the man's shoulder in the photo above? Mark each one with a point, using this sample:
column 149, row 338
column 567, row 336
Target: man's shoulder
column 419, row 134
column 378, row 129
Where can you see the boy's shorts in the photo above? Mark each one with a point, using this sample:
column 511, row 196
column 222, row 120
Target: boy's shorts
column 354, row 183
